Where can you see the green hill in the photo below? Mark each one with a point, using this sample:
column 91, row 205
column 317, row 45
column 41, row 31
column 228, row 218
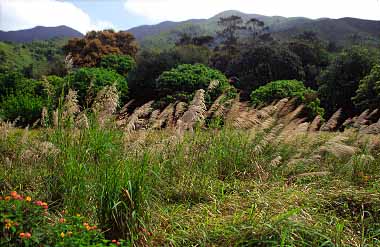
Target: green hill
column 341, row 31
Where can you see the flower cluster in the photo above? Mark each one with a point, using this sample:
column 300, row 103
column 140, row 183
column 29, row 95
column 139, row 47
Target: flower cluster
column 25, row 235
column 27, row 222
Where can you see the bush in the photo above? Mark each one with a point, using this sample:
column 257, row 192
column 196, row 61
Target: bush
column 24, row 107
column 122, row 64
column 8, row 81
column 21, row 98
column 89, row 81
column 25, row 222
column 288, row 89
column 188, row 78
column 368, row 93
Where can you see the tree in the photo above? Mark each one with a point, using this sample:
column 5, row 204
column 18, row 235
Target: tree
column 277, row 90
column 89, row 81
column 313, row 55
column 25, row 107
column 255, row 27
column 368, row 93
column 340, row 80
column 122, row 64
column 259, row 65
column 231, row 26
column 151, row 64
column 186, row 38
column 88, row 51
column 188, row 78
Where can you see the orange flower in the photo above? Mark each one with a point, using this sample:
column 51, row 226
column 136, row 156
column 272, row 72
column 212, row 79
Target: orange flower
column 62, row 220
column 114, row 241
column 22, row 235
column 14, row 194
column 28, row 235
column 28, row 199
column 117, row 243
column 7, row 198
column 8, row 225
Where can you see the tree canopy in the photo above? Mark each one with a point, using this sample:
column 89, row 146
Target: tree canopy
column 340, row 80
column 368, row 93
column 88, row 51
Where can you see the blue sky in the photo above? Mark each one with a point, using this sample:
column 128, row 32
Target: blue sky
column 111, row 10
column 86, row 15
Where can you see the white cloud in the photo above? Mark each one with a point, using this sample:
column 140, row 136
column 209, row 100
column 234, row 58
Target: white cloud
column 176, row 10
column 23, row 14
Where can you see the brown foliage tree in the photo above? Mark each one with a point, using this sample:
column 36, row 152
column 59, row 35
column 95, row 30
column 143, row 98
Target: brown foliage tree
column 87, row 51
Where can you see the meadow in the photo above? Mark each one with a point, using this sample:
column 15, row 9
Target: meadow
column 221, row 174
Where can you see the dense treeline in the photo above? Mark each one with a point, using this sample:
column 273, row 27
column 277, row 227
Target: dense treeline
column 37, row 75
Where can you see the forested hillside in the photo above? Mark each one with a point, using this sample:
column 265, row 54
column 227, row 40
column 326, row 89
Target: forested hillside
column 342, row 32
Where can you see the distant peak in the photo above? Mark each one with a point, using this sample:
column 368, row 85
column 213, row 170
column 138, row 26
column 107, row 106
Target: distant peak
column 229, row 13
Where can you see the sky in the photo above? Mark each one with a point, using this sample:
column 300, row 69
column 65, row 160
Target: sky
column 86, row 15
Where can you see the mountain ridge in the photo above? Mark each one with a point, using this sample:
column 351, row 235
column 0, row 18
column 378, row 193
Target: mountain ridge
column 333, row 30
column 39, row 33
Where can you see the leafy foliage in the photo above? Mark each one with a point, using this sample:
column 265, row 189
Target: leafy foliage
column 122, row 64
column 27, row 222
column 313, row 55
column 21, row 98
column 262, row 64
column 368, row 93
column 340, row 80
column 288, row 89
column 33, row 59
column 89, row 81
column 188, row 78
column 24, row 107
column 88, row 51
column 151, row 64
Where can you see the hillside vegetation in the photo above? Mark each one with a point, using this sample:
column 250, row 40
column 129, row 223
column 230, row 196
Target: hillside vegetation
column 221, row 140
column 343, row 32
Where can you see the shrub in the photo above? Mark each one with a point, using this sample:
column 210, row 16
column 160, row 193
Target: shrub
column 122, row 64
column 8, row 81
column 288, row 89
column 25, row 222
column 24, row 107
column 188, row 78
column 368, row 93
column 89, row 81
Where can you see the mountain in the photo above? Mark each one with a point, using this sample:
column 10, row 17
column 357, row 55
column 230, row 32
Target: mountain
column 39, row 33
column 341, row 31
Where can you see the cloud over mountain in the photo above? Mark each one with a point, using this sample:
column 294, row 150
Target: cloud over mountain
column 24, row 14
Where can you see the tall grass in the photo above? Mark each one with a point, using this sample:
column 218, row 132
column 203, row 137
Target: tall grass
column 271, row 182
